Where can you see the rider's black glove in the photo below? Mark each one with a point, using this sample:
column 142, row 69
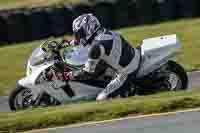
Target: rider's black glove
column 53, row 45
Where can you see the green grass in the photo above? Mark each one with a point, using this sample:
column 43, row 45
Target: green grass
column 12, row 65
column 96, row 111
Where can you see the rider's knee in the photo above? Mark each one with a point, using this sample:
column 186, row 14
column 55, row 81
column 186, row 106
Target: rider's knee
column 101, row 96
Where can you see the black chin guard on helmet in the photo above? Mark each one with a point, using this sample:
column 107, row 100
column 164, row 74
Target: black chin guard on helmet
column 80, row 33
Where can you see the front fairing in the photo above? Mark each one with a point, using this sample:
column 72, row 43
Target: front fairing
column 37, row 60
column 38, row 57
column 33, row 73
column 36, row 64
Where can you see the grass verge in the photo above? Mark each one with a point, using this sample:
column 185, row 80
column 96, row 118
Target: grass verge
column 14, row 57
column 96, row 111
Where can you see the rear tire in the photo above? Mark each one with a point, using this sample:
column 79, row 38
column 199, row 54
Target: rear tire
column 177, row 71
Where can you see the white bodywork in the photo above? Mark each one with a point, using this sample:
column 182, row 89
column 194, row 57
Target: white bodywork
column 155, row 52
column 33, row 74
column 33, row 71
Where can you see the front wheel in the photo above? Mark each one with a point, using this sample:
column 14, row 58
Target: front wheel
column 176, row 77
column 20, row 98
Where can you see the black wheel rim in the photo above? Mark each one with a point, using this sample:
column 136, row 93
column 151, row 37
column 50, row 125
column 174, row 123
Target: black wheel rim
column 174, row 82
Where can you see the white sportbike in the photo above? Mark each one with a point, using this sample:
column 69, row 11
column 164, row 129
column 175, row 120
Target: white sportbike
column 43, row 84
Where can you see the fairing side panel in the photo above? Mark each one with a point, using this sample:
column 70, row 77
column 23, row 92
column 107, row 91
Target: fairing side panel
column 31, row 79
column 83, row 89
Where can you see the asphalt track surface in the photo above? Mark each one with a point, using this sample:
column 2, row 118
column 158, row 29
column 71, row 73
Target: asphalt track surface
column 194, row 82
column 177, row 123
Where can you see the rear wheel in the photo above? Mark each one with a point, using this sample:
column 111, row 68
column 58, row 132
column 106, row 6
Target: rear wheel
column 176, row 77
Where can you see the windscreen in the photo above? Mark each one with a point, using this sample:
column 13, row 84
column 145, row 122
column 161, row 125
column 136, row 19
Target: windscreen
column 37, row 57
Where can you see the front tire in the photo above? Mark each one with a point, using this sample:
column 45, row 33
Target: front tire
column 20, row 93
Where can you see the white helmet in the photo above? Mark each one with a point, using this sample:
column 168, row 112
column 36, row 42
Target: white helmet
column 84, row 27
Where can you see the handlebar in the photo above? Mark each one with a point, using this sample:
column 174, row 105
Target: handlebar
column 52, row 45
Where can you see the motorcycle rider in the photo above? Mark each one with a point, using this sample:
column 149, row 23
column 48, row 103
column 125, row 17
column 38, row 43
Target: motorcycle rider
column 106, row 48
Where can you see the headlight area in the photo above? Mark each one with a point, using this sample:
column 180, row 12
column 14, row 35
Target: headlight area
column 28, row 69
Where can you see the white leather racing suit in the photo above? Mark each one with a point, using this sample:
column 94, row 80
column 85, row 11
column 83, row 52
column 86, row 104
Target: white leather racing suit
column 114, row 50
